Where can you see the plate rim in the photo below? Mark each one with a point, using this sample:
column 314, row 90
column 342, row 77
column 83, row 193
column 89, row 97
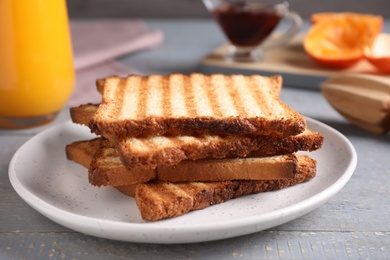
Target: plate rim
column 237, row 227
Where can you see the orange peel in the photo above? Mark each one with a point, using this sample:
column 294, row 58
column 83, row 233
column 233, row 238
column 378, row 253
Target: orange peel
column 340, row 39
column 379, row 54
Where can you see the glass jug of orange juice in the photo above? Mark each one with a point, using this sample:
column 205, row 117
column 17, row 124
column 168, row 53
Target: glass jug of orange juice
column 36, row 61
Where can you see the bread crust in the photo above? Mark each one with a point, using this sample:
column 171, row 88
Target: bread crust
column 83, row 151
column 82, row 114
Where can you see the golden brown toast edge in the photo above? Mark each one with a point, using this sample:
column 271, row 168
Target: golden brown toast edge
column 83, row 151
column 82, row 114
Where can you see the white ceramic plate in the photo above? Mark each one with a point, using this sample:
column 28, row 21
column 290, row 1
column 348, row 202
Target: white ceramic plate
column 59, row 189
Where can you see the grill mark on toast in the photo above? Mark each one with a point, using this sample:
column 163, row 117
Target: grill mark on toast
column 189, row 97
column 252, row 97
column 225, row 102
column 157, row 141
column 177, row 100
column 238, row 104
column 174, row 190
column 119, row 95
column 261, row 96
column 161, row 142
column 264, row 98
column 141, row 98
column 212, row 96
column 154, row 100
column 147, row 156
column 201, row 100
column 140, row 145
column 159, row 98
column 166, row 93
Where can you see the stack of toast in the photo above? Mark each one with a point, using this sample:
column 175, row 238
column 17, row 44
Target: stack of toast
column 178, row 143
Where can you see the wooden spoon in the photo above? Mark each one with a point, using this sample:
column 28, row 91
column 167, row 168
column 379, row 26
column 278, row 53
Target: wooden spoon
column 364, row 100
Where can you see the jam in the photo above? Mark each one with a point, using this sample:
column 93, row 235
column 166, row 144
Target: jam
column 246, row 24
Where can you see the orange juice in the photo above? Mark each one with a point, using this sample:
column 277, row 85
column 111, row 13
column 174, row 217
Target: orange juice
column 36, row 62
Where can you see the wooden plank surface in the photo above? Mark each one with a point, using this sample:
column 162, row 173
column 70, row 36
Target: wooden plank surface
column 264, row 245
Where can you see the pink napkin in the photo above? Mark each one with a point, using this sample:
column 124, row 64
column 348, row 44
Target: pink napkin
column 95, row 46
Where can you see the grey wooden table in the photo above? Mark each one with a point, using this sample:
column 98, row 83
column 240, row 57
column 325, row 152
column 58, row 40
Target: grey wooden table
column 354, row 224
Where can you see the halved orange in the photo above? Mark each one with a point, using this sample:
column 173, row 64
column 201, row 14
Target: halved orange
column 339, row 39
column 324, row 16
column 379, row 54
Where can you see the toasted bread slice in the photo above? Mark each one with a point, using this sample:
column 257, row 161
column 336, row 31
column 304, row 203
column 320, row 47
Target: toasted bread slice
column 160, row 150
column 82, row 152
column 105, row 168
column 148, row 152
column 159, row 200
column 179, row 104
column 82, row 114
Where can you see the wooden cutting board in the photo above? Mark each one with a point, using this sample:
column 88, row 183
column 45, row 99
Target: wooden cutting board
column 290, row 61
